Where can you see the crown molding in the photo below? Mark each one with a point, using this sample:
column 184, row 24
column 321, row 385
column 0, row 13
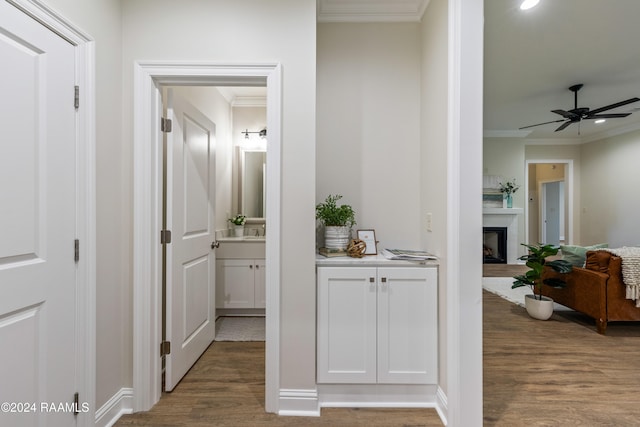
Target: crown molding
column 371, row 10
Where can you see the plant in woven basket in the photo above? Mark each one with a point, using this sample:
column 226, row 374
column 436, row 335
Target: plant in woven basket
column 536, row 260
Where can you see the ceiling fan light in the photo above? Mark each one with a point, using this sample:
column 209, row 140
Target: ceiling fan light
column 599, row 121
column 528, row 4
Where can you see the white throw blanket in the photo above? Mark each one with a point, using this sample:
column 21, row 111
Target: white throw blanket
column 630, row 270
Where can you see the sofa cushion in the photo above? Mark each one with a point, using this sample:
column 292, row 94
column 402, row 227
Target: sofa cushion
column 577, row 255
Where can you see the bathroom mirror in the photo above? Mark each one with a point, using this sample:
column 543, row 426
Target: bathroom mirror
column 251, row 197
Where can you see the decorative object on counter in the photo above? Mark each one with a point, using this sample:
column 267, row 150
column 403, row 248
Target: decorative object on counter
column 538, row 306
column 330, row 253
column 369, row 239
column 238, row 224
column 507, row 189
column 337, row 221
column 357, row 248
column 408, row 255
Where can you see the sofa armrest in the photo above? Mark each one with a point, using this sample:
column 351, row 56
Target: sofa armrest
column 586, row 291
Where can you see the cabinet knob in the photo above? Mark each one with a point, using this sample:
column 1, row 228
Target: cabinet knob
column 257, row 267
column 384, row 280
column 371, row 279
column 251, row 266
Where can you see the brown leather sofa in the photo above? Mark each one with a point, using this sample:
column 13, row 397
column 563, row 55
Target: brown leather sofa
column 596, row 290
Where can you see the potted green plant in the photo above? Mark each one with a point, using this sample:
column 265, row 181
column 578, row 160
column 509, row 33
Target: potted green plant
column 337, row 221
column 539, row 306
column 238, row 224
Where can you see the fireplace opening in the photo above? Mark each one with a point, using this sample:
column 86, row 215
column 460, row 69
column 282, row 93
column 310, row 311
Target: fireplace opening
column 494, row 245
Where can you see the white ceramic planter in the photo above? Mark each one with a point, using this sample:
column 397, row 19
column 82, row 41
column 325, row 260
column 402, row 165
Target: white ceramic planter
column 336, row 237
column 538, row 309
column 238, row 230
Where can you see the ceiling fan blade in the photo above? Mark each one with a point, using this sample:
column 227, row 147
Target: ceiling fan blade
column 612, row 106
column 565, row 114
column 540, row 124
column 608, row 116
column 564, row 125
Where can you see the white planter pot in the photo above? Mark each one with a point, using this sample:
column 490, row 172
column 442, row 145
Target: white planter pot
column 238, row 230
column 336, row 237
column 538, row 309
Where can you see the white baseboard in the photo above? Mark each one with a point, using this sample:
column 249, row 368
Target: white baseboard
column 120, row 403
column 441, row 405
column 300, row 403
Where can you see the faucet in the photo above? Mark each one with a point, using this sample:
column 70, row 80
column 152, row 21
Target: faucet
column 264, row 229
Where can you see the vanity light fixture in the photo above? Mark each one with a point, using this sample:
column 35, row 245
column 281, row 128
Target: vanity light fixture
column 261, row 133
column 528, row 4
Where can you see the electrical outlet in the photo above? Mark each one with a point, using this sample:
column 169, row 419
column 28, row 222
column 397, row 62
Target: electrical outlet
column 429, row 221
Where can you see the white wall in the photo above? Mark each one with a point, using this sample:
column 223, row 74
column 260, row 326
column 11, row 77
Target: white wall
column 610, row 184
column 225, row 31
column 368, row 130
column 433, row 152
column 101, row 19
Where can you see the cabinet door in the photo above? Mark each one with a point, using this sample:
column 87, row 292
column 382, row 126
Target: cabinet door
column 260, row 289
column 235, row 283
column 346, row 325
column 407, row 325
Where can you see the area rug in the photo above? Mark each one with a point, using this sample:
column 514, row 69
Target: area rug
column 501, row 286
column 230, row 328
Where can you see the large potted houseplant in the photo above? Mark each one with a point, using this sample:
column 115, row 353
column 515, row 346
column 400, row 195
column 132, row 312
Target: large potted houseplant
column 337, row 221
column 537, row 305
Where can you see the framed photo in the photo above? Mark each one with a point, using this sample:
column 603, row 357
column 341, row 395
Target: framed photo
column 369, row 238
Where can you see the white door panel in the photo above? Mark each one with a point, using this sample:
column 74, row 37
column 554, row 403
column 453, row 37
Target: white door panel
column 190, row 319
column 37, row 220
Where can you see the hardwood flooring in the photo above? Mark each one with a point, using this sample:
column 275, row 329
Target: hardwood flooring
column 226, row 388
column 558, row 372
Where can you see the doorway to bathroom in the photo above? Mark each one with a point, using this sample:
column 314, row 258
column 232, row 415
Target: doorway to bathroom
column 148, row 166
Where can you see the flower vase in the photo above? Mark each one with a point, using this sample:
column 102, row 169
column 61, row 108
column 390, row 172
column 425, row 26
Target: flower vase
column 509, row 201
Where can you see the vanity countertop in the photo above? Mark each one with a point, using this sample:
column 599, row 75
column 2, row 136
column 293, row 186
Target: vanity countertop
column 250, row 239
column 370, row 261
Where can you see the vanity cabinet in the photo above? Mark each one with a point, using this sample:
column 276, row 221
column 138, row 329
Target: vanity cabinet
column 240, row 283
column 377, row 325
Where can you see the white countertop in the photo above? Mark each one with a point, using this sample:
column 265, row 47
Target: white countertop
column 249, row 239
column 370, row 261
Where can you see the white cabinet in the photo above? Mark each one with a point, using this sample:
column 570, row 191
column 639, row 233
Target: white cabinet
column 240, row 283
column 377, row 325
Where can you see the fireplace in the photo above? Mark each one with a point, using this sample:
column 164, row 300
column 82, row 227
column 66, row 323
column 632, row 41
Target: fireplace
column 494, row 245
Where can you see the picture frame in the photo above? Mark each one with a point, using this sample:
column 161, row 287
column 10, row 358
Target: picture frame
column 368, row 236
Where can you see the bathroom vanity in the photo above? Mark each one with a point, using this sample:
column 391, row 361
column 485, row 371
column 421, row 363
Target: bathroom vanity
column 240, row 275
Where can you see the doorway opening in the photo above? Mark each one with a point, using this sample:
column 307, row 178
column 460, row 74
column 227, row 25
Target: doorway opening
column 148, row 161
column 549, row 208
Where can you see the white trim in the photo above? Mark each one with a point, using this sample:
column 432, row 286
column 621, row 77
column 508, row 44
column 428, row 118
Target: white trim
column 299, row 403
column 119, row 404
column 569, row 190
column 441, row 405
column 84, row 48
column 464, row 210
column 147, row 196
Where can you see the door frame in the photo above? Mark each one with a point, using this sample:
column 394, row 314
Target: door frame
column 147, row 212
column 568, row 194
column 84, row 47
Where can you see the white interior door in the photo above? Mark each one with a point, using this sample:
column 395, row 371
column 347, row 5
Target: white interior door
column 190, row 305
column 37, row 223
column 551, row 209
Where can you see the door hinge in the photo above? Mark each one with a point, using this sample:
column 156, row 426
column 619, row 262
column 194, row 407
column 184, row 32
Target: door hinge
column 76, row 403
column 76, row 250
column 76, row 97
column 165, row 125
column 165, row 236
column 165, row 348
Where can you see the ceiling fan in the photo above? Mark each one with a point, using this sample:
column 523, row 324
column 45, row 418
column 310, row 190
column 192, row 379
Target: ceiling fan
column 578, row 114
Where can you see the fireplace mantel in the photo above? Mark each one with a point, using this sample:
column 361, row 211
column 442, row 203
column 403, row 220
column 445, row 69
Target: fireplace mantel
column 505, row 217
column 502, row 211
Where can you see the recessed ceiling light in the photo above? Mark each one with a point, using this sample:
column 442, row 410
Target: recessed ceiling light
column 528, row 4
column 599, row 121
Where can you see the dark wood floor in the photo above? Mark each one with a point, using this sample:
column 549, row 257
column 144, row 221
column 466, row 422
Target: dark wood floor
column 558, row 372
